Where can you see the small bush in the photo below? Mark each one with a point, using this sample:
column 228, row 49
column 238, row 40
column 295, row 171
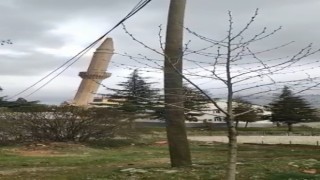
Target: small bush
column 64, row 124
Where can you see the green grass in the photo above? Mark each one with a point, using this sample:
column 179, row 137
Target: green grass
column 151, row 161
column 269, row 162
column 283, row 130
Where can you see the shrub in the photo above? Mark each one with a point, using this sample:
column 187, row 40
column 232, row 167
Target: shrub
column 64, row 124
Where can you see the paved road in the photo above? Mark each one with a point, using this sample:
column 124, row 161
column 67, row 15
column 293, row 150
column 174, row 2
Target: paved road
column 311, row 140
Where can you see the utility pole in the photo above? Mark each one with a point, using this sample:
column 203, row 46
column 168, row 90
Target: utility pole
column 174, row 97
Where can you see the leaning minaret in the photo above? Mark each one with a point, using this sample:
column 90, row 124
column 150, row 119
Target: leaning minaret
column 95, row 74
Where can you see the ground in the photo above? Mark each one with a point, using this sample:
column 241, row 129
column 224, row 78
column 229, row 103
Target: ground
column 148, row 158
column 263, row 139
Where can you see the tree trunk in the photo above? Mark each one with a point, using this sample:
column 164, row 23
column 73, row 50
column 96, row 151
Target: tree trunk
column 247, row 122
column 232, row 136
column 232, row 131
column 232, row 144
column 237, row 123
column 232, row 152
column 289, row 127
column 174, row 112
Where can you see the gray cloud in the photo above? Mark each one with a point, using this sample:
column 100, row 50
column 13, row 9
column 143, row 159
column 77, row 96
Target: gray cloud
column 31, row 25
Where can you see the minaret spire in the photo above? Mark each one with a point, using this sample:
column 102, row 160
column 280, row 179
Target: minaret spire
column 95, row 74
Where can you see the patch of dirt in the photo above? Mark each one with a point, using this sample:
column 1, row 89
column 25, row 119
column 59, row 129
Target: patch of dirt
column 37, row 152
column 46, row 149
column 34, row 169
column 157, row 160
column 161, row 143
column 149, row 162
column 309, row 171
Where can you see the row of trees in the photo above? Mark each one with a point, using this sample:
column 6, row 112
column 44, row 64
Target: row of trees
column 138, row 96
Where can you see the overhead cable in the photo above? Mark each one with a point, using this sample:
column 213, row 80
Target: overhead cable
column 75, row 58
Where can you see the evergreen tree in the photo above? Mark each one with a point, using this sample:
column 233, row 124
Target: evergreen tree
column 193, row 99
column 19, row 104
column 137, row 94
column 1, row 98
column 290, row 109
column 194, row 103
column 245, row 106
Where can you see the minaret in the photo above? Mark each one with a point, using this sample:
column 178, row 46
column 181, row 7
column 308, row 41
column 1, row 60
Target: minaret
column 95, row 74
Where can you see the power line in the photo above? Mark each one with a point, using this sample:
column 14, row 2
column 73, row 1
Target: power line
column 75, row 58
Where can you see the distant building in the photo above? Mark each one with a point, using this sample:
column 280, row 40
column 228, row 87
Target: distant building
column 213, row 114
column 106, row 102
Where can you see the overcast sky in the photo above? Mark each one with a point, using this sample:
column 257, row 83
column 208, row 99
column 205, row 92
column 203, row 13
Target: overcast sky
column 46, row 33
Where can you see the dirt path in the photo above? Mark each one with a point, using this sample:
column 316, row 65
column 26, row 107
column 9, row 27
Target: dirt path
column 32, row 169
column 310, row 140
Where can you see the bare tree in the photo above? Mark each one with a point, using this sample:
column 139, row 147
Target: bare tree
column 241, row 75
column 241, row 69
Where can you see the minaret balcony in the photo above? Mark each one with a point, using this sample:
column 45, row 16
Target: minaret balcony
column 94, row 75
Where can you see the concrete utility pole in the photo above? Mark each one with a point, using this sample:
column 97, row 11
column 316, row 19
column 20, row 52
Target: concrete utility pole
column 174, row 97
column 95, row 74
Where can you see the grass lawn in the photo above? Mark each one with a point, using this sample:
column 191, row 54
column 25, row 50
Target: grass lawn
column 150, row 161
column 283, row 130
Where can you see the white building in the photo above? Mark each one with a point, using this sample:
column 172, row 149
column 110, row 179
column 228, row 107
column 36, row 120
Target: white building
column 213, row 115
